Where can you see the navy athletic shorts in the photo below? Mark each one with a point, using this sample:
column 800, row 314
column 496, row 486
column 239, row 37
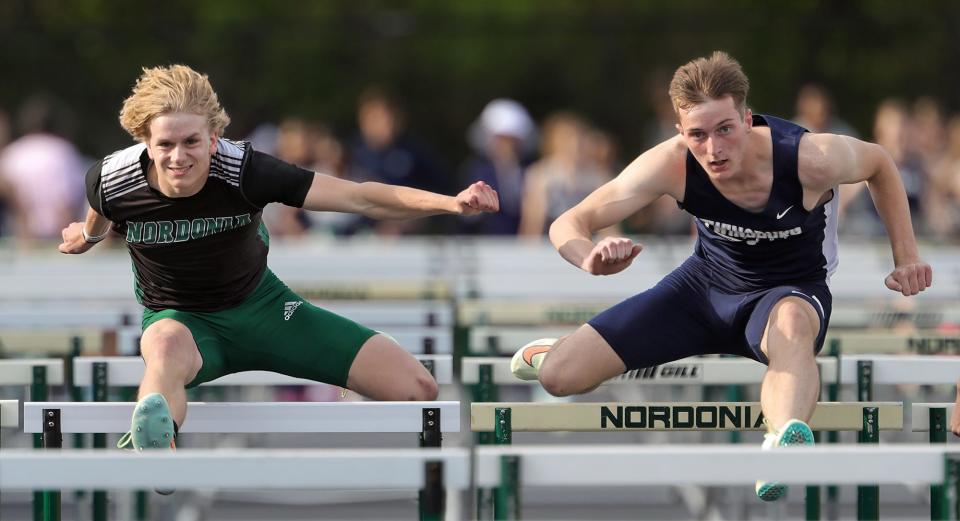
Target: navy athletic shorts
column 688, row 314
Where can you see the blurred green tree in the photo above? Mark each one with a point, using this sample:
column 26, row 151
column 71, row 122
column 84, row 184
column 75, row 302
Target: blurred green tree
column 447, row 59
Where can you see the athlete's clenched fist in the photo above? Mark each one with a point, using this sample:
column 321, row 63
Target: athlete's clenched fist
column 910, row 278
column 611, row 255
column 478, row 198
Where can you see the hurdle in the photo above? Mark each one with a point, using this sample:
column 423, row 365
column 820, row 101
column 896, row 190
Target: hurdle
column 129, row 370
column 39, row 374
column 257, row 417
column 900, row 369
column 417, row 339
column 693, row 416
column 431, row 471
column 89, row 316
column 9, row 418
column 384, row 289
column 428, row 419
column 231, row 468
column 9, row 415
column 934, row 418
column 25, row 371
column 576, row 311
column 921, row 342
column 507, row 468
column 492, row 340
column 505, row 418
column 869, row 370
column 488, row 372
column 703, row 370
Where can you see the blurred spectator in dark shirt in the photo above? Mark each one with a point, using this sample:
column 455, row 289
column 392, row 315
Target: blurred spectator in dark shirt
column 663, row 216
column 816, row 112
column 928, row 135
column 384, row 152
column 293, row 146
column 329, row 157
column 892, row 130
column 503, row 138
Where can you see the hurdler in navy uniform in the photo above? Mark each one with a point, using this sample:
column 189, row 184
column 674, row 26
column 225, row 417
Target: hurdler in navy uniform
column 764, row 195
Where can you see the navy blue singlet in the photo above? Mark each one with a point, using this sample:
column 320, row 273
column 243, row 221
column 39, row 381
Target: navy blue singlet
column 719, row 299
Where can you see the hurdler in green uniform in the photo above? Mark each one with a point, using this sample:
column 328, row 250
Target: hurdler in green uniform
column 188, row 203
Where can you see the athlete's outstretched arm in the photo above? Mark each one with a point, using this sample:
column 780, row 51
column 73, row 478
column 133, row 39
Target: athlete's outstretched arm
column 383, row 201
column 849, row 160
column 95, row 227
column 657, row 172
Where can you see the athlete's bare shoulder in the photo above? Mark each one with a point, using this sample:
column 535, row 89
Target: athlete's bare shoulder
column 661, row 168
column 669, row 157
column 821, row 158
column 675, row 147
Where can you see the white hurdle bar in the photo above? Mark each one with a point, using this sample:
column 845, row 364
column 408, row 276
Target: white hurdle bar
column 128, row 371
column 887, row 370
column 693, row 370
column 20, row 371
column 903, row 369
column 248, row 417
column 9, row 413
column 505, row 339
column 421, row 339
column 415, row 339
column 340, row 469
column 922, row 342
column 696, row 416
column 920, row 415
column 609, row 465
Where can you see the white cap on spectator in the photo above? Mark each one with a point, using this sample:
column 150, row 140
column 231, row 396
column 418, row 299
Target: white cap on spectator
column 503, row 117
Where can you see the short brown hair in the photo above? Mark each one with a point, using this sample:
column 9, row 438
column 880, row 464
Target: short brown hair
column 162, row 90
column 705, row 79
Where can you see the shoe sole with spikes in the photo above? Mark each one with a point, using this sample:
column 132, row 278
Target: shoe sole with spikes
column 794, row 432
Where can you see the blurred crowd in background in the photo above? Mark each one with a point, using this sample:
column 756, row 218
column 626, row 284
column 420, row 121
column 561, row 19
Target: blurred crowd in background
column 541, row 166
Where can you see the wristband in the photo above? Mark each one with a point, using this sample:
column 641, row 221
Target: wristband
column 93, row 239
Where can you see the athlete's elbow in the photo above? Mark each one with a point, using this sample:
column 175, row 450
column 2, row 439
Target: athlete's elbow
column 557, row 233
column 566, row 227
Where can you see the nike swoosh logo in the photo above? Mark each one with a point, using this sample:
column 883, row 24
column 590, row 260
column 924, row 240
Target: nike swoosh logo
column 781, row 214
column 533, row 351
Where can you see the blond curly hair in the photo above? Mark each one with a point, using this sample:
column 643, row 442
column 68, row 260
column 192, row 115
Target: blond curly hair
column 162, row 90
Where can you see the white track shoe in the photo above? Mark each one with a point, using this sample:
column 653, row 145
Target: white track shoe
column 794, row 432
column 525, row 363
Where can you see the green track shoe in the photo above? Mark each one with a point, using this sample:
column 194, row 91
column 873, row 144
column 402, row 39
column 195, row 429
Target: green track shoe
column 794, row 432
column 151, row 428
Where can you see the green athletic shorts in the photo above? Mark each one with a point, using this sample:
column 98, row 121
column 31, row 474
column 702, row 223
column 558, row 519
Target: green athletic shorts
column 273, row 329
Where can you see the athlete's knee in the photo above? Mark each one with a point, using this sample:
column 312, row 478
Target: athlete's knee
column 168, row 345
column 559, row 376
column 420, row 387
column 425, row 389
column 795, row 321
column 557, row 380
